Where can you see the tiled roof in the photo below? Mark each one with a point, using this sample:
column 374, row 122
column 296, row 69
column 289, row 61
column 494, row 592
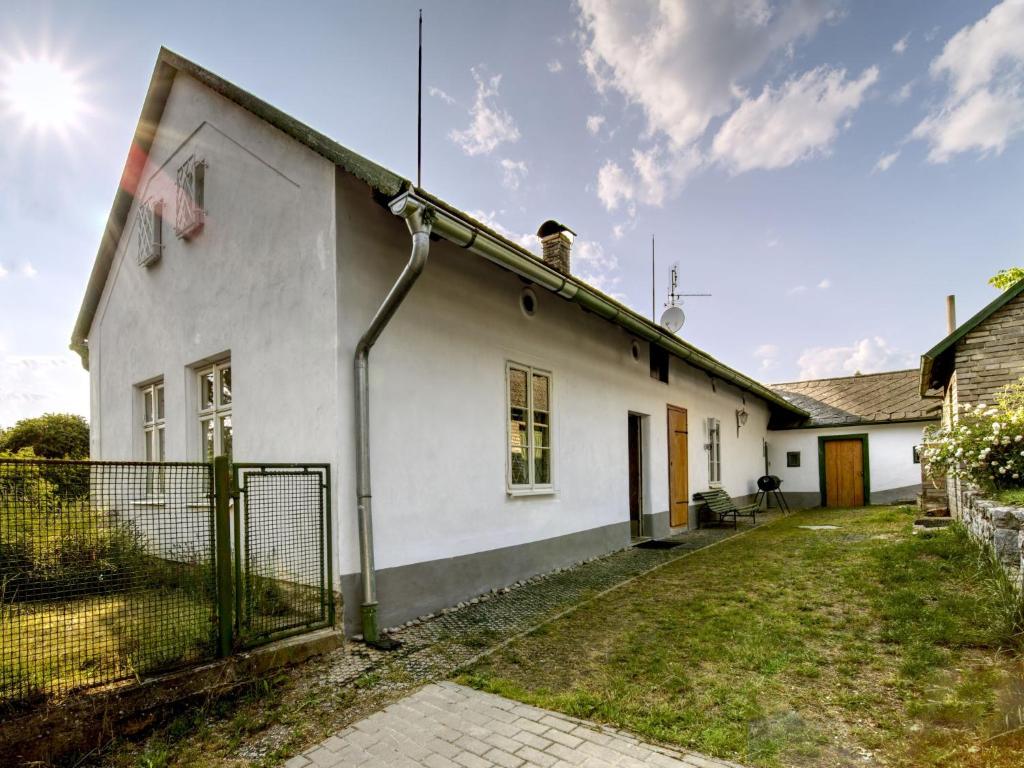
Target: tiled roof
column 862, row 399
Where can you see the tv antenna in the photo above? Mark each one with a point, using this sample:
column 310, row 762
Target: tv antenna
column 419, row 108
column 673, row 317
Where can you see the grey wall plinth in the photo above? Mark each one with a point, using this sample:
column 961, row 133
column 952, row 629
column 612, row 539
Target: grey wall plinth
column 656, row 525
column 409, row 591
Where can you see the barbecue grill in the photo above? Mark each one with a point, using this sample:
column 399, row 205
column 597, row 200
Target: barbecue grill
column 771, row 485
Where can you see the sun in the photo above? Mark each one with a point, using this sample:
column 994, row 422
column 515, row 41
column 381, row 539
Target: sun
column 42, row 93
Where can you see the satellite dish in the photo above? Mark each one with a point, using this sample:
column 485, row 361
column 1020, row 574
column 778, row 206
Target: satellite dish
column 672, row 319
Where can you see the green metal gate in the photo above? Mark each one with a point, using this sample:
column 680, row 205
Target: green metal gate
column 281, row 530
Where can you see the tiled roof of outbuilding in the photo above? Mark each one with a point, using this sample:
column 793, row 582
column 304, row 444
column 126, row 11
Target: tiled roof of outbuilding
column 871, row 398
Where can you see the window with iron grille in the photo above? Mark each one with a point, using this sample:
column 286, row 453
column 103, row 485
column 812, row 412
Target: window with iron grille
column 792, row 458
column 190, row 214
column 149, row 218
column 714, row 448
column 529, row 432
column 215, row 410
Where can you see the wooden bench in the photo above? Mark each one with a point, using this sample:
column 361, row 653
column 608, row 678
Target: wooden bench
column 721, row 505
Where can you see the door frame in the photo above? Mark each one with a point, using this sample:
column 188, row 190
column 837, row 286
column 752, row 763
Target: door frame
column 668, row 463
column 863, row 437
column 641, row 467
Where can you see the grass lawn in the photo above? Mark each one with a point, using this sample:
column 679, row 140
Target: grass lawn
column 862, row 645
column 57, row 647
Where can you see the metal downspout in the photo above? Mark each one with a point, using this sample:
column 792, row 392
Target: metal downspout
column 417, row 218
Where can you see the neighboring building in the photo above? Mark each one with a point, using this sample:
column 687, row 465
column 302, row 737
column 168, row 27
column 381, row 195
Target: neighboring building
column 860, row 443
column 520, row 420
column 975, row 361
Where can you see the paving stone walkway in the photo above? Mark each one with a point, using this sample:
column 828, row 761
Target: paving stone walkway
column 449, row 726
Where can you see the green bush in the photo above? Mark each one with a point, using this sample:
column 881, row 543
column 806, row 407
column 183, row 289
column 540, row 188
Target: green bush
column 50, row 436
column 985, row 446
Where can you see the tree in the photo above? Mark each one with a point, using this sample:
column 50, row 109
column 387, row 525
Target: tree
column 50, row 436
column 1005, row 278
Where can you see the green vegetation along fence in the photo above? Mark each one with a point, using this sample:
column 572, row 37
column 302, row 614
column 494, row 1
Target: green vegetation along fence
column 113, row 571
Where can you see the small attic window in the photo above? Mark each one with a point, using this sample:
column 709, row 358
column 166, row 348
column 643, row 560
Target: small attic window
column 659, row 363
column 191, row 213
column 150, row 217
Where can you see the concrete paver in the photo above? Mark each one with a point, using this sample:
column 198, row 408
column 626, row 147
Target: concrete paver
column 444, row 725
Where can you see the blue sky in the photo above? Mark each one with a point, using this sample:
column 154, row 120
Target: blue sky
column 829, row 171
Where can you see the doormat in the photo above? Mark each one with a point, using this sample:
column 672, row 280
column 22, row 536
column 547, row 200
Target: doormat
column 659, row 544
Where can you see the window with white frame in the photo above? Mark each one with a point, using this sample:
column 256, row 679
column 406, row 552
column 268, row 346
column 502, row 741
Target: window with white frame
column 153, row 424
column 149, row 222
column 529, row 428
column 190, row 214
column 714, row 449
column 153, row 420
column 215, row 410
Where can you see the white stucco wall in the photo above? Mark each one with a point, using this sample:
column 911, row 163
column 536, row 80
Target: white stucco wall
column 890, row 456
column 438, row 404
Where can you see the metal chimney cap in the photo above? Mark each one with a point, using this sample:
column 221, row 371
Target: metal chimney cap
column 552, row 227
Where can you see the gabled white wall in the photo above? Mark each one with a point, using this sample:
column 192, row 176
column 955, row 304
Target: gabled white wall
column 257, row 282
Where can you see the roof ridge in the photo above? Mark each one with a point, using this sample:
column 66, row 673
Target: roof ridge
column 840, row 378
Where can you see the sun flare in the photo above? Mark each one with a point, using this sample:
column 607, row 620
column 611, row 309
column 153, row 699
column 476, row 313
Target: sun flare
column 42, row 93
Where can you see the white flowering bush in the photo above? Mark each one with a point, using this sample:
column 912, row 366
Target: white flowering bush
column 985, row 446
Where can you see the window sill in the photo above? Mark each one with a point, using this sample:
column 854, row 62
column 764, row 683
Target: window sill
column 516, row 492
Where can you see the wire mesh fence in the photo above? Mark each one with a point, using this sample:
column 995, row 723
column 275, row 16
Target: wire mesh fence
column 109, row 570
column 106, row 573
column 285, row 536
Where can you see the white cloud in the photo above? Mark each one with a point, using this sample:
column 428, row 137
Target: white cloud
column 869, row 355
column 27, row 270
column 679, row 61
column 683, row 62
column 513, row 172
column 594, row 123
column 3, row 272
column 772, row 243
column 614, row 185
column 656, row 175
column 797, row 289
column 825, row 284
column 767, row 355
column 903, row 93
column 900, row 46
column 490, row 126
column 439, row 94
column 983, row 66
column 34, row 385
column 527, row 240
column 591, row 264
column 800, row 119
column 555, row 66
column 885, row 161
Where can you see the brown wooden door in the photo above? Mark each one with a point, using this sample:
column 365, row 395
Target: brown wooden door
column 678, row 468
column 844, row 473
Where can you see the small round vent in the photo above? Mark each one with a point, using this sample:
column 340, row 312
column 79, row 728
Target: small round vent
column 528, row 302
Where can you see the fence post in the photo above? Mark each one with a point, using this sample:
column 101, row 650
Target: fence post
column 222, row 507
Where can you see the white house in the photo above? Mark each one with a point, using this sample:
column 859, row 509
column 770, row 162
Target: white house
column 512, row 418
column 860, row 444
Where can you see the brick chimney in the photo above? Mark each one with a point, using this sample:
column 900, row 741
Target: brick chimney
column 556, row 245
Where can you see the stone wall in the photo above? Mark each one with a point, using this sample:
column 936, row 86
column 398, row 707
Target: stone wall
column 999, row 526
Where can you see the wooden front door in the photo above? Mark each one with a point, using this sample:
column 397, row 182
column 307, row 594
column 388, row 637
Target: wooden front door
column 678, row 468
column 844, row 473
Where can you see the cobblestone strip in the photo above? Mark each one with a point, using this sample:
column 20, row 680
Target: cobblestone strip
column 447, row 726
